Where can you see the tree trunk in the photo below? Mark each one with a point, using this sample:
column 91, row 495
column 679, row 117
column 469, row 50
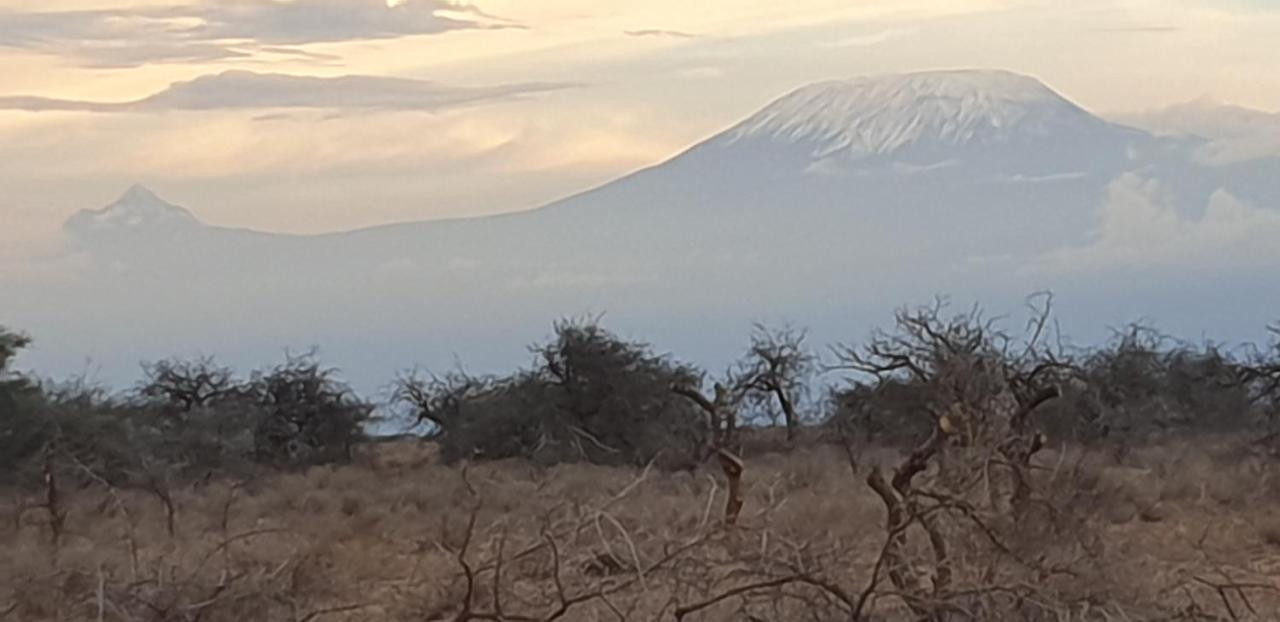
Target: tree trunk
column 788, row 412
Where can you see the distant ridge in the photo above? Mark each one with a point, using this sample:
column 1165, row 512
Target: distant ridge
column 918, row 116
column 138, row 209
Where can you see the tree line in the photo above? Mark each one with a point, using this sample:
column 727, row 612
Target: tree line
column 590, row 395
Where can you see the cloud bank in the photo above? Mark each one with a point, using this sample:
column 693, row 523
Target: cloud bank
column 237, row 90
column 655, row 32
column 1233, row 133
column 213, row 31
column 1141, row 230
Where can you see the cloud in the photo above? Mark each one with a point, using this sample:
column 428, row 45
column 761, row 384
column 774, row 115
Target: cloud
column 701, row 72
column 1140, row 229
column 226, row 30
column 869, row 39
column 653, row 32
column 573, row 280
column 1233, row 133
column 233, row 90
column 1142, row 29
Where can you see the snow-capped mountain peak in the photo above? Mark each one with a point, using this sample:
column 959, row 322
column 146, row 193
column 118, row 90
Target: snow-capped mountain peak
column 889, row 115
column 137, row 209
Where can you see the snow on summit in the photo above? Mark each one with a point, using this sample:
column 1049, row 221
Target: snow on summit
column 883, row 115
column 138, row 208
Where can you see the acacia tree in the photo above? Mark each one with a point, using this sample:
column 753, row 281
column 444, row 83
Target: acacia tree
column 588, row 396
column 929, row 363
column 308, row 415
column 10, row 344
column 721, row 410
column 775, row 371
column 21, row 433
column 612, row 394
column 1260, row 376
column 183, row 386
column 1264, row 370
column 438, row 400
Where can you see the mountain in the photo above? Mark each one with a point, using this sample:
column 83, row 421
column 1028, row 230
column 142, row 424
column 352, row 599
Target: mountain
column 960, row 160
column 828, row 207
column 925, row 119
column 137, row 211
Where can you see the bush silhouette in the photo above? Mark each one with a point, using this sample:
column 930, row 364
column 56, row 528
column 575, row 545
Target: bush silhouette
column 307, row 416
column 589, row 396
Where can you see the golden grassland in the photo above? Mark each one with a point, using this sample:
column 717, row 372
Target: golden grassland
column 1175, row 531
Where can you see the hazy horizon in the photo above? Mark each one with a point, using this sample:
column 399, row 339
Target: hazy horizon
column 1120, row 154
column 553, row 98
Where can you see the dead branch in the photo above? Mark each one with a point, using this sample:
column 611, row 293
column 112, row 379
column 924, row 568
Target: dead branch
column 53, row 505
column 468, row 573
column 332, row 610
column 681, row 612
column 733, row 468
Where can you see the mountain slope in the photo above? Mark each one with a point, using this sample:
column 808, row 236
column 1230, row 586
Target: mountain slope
column 918, row 116
column 137, row 212
column 828, row 207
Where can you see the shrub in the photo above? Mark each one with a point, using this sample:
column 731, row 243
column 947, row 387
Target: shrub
column 933, row 370
column 197, row 417
column 1143, row 383
column 887, row 411
column 774, row 374
column 1139, row 385
column 73, row 428
column 182, row 386
column 437, row 400
column 94, row 434
column 20, row 433
column 307, row 416
column 1261, row 375
column 70, row 427
column 14, row 388
column 590, row 396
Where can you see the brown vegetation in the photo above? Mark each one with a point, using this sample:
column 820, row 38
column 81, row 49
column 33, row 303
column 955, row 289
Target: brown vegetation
column 399, row 536
column 962, row 474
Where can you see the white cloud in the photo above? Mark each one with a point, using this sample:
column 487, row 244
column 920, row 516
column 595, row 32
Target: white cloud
column 1141, row 230
column 574, row 280
column 701, row 72
column 1235, row 133
column 231, row 90
column 1229, row 151
column 657, row 32
column 869, row 39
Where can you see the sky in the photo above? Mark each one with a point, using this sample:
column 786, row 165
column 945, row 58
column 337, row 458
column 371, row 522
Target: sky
column 309, row 116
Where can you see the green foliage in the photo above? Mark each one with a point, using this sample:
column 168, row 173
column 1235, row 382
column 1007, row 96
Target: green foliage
column 187, row 419
column 590, row 396
column 75, row 423
column 932, row 366
column 11, row 386
column 87, row 434
column 889, row 411
column 307, row 416
column 21, row 434
column 1139, row 385
column 180, row 387
column 10, row 344
column 1144, row 383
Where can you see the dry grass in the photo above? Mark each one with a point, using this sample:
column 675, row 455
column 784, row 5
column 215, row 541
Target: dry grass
column 1177, row 530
